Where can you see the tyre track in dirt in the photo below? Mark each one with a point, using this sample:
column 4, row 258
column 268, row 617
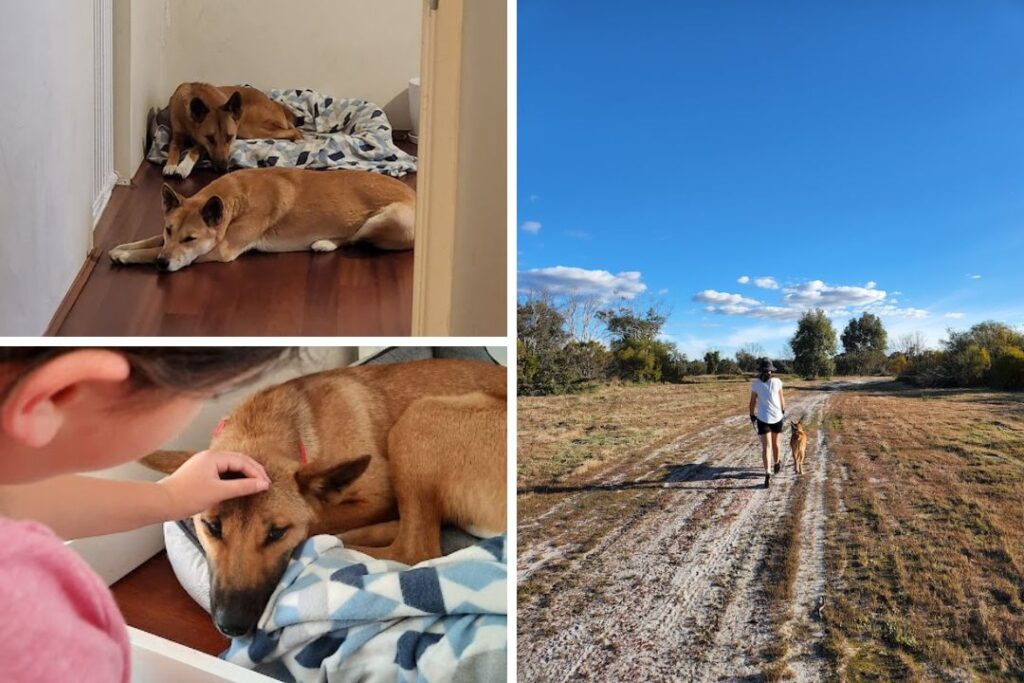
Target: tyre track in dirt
column 672, row 593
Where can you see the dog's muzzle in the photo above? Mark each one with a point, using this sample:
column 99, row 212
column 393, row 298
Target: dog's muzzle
column 236, row 613
column 163, row 263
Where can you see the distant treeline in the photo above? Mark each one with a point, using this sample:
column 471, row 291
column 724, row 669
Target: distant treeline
column 559, row 351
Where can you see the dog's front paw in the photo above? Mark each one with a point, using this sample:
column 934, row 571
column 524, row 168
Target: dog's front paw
column 323, row 245
column 170, row 170
column 119, row 255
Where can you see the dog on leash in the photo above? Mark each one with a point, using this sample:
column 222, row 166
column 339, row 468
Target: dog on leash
column 207, row 118
column 798, row 444
column 382, row 455
column 277, row 209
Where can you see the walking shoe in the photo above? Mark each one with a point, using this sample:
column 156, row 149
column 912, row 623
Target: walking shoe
column 767, row 478
column 778, row 466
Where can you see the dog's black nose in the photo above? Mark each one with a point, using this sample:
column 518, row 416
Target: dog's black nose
column 162, row 263
column 232, row 630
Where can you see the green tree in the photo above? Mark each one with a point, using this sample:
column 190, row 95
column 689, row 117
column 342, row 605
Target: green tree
column 814, row 345
column 864, row 341
column 865, row 333
column 712, row 359
column 1008, row 369
column 637, row 354
column 542, row 336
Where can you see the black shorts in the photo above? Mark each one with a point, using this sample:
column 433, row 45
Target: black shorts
column 764, row 427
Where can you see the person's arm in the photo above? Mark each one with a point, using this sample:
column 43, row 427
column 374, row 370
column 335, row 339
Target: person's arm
column 753, row 404
column 76, row 506
column 782, row 401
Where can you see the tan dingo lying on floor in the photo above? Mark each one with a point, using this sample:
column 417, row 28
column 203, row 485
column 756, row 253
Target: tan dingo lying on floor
column 387, row 453
column 277, row 209
column 798, row 444
column 209, row 118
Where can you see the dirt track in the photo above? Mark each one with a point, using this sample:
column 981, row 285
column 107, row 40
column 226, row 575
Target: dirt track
column 654, row 573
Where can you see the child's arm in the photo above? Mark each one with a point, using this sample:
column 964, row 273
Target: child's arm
column 75, row 506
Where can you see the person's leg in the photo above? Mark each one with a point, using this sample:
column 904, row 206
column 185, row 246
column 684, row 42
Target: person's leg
column 764, row 453
column 776, row 449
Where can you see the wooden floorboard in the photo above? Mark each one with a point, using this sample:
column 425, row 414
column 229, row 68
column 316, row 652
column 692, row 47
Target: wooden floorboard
column 151, row 599
column 355, row 291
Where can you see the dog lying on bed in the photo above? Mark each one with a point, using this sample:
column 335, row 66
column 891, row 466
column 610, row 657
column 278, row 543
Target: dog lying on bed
column 277, row 209
column 208, row 118
column 382, row 455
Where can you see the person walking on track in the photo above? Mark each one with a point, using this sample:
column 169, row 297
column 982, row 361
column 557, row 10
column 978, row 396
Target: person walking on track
column 767, row 411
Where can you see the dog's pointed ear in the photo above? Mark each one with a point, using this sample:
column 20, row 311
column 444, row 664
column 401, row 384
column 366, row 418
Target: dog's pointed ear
column 170, row 199
column 167, row 462
column 234, row 105
column 198, row 110
column 326, row 485
column 213, row 211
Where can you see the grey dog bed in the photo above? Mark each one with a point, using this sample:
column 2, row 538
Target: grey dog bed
column 184, row 551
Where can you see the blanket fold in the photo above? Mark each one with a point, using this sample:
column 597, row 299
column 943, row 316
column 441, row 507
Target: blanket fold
column 338, row 615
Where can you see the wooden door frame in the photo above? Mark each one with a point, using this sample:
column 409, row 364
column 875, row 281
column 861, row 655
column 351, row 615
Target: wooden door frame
column 437, row 180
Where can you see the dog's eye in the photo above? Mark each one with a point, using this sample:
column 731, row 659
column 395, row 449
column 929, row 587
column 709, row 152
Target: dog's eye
column 168, row 230
column 275, row 534
column 212, row 140
column 190, row 238
column 213, row 526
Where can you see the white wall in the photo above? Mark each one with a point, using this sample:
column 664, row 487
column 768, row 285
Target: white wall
column 141, row 30
column 46, row 157
column 479, row 284
column 368, row 49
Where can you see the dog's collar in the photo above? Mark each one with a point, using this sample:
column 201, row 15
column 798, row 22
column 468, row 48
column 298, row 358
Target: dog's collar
column 302, row 447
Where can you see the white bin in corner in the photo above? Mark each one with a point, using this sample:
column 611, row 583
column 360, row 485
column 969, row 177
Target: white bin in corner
column 414, row 108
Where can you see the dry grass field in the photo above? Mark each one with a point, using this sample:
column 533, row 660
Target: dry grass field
column 649, row 550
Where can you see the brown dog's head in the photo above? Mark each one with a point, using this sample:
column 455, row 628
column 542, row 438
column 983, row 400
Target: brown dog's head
column 215, row 130
column 798, row 428
column 248, row 541
column 192, row 227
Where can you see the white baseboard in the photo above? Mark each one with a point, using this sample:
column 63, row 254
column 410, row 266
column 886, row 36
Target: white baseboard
column 100, row 203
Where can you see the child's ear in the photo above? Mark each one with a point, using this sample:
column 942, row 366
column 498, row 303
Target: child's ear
column 327, row 485
column 34, row 409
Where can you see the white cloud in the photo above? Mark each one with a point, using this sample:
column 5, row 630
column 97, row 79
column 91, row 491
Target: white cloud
column 532, row 227
column 871, row 284
column 838, row 301
column 663, row 291
column 817, row 294
column 954, row 315
column 973, row 276
column 744, row 279
column 563, row 280
column 766, row 283
column 578, row 234
column 710, row 296
column 897, row 312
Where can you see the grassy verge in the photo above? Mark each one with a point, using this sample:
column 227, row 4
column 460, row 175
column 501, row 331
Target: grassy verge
column 925, row 535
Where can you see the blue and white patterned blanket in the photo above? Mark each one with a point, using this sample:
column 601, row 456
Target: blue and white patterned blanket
column 338, row 615
column 340, row 133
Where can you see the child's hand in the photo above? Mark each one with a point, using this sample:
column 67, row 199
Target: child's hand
column 197, row 484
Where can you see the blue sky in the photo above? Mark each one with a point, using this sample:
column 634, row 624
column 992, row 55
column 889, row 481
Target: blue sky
column 863, row 156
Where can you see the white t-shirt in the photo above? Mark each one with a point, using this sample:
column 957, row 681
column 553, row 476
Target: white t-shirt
column 769, row 399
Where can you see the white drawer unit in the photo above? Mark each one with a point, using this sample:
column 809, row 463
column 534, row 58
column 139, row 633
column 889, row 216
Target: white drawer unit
column 158, row 660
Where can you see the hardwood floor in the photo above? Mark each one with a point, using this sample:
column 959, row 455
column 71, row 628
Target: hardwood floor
column 151, row 599
column 355, row 291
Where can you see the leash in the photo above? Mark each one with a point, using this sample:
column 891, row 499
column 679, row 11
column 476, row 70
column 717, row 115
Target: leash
column 302, row 447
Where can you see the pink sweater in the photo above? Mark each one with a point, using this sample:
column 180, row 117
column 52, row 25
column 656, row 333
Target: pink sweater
column 58, row 622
